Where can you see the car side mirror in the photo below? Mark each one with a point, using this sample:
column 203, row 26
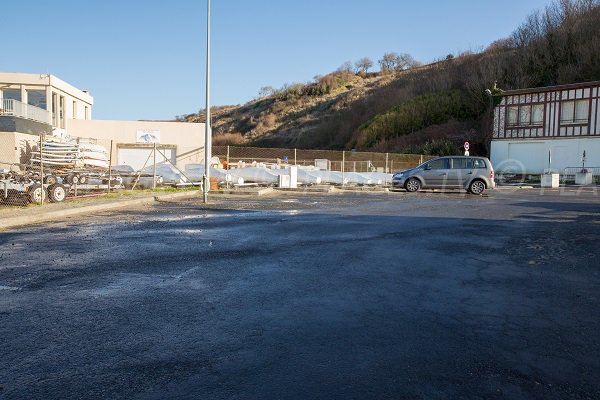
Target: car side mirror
column 427, row 168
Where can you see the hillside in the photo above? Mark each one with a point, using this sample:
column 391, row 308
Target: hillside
column 429, row 109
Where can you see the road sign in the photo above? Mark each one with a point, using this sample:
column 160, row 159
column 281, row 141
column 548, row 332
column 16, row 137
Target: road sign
column 467, row 145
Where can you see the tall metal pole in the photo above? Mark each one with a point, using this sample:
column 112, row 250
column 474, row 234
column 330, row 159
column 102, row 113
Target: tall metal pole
column 207, row 130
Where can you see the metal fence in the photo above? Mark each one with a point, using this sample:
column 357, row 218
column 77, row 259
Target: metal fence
column 570, row 174
column 327, row 159
column 45, row 170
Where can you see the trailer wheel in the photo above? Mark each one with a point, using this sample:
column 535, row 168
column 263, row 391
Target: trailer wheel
column 73, row 178
column 36, row 193
column 50, row 180
column 57, row 193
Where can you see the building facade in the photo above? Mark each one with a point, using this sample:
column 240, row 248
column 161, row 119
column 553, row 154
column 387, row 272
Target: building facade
column 23, row 95
column 32, row 105
column 549, row 128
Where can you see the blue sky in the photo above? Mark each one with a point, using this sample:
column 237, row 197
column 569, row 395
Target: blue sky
column 146, row 59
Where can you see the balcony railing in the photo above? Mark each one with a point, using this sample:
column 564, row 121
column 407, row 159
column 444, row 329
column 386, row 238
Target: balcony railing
column 17, row 109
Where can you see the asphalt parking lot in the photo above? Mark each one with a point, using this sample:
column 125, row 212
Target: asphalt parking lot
column 308, row 296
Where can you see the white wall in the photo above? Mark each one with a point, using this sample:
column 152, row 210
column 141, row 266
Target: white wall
column 187, row 139
column 531, row 156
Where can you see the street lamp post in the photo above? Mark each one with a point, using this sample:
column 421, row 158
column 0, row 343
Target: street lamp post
column 207, row 128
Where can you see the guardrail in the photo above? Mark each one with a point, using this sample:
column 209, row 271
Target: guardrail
column 570, row 173
column 16, row 108
column 575, row 170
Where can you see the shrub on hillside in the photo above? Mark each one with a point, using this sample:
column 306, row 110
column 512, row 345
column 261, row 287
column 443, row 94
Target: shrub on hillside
column 417, row 114
column 227, row 139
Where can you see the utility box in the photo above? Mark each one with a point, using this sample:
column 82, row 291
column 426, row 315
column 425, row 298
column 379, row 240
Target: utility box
column 550, row 180
column 322, row 164
column 583, row 178
column 284, row 181
column 289, row 180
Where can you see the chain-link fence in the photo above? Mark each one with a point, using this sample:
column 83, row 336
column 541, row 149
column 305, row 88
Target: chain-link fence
column 44, row 169
column 350, row 161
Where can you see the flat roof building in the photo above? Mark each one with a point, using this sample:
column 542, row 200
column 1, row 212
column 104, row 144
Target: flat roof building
column 32, row 105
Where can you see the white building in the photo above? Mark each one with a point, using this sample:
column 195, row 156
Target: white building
column 547, row 128
column 36, row 104
column 22, row 95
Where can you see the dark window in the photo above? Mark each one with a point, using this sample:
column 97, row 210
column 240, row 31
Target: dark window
column 479, row 163
column 442, row 163
column 54, row 107
column 37, row 98
column 11, row 94
column 460, row 163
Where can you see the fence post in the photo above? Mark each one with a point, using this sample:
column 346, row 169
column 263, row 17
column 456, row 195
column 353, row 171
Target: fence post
column 386, row 163
column 154, row 168
column 42, row 168
column 227, row 169
column 110, row 165
column 295, row 154
column 421, row 162
column 343, row 165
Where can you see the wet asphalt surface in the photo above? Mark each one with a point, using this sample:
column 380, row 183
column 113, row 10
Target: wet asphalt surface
column 354, row 296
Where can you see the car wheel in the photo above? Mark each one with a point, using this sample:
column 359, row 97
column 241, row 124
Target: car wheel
column 412, row 185
column 57, row 193
column 477, row 187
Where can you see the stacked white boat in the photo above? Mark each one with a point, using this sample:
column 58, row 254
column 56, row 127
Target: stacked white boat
column 71, row 155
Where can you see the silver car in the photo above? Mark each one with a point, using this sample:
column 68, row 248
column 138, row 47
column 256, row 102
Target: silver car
column 474, row 174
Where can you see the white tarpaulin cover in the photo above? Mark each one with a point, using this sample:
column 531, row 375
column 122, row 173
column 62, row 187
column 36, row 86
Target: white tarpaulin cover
column 304, row 176
column 255, row 174
column 195, row 172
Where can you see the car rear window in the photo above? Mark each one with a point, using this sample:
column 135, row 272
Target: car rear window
column 479, row 163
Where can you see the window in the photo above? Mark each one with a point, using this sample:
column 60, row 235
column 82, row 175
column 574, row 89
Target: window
column 442, row 163
column 460, row 163
column 54, row 106
column 574, row 112
column 526, row 115
column 61, row 112
column 37, row 98
column 513, row 116
column 87, row 113
column 11, row 94
column 74, row 110
column 479, row 163
column 537, row 114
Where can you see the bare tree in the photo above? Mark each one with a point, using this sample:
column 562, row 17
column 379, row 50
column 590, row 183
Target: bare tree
column 363, row 64
column 406, row 61
column 266, row 91
column 345, row 67
column 388, row 62
column 397, row 62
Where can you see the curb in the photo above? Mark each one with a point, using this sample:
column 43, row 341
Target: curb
column 259, row 192
column 13, row 222
column 512, row 187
